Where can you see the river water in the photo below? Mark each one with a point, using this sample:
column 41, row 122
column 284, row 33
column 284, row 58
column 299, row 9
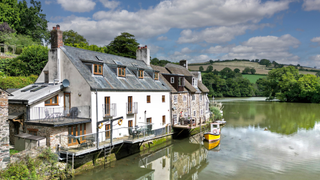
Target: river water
column 262, row 140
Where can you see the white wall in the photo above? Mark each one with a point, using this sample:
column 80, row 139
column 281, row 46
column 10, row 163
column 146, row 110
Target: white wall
column 155, row 110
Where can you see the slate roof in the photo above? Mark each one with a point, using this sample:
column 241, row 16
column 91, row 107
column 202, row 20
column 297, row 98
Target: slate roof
column 189, row 87
column 35, row 92
column 110, row 80
column 177, row 69
column 202, row 87
column 9, row 94
column 164, row 71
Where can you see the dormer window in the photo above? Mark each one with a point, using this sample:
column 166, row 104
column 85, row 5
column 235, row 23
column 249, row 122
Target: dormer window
column 97, row 69
column 121, row 72
column 141, row 74
column 180, row 81
column 156, row 76
column 172, row 80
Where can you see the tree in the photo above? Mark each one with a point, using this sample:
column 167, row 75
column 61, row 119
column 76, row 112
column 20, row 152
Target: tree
column 318, row 74
column 124, row 45
column 265, row 62
column 209, row 69
column 215, row 72
column 5, row 28
column 32, row 22
column 72, row 37
column 31, row 61
column 246, row 70
column 236, row 70
column 253, row 71
column 10, row 12
column 201, row 68
column 154, row 61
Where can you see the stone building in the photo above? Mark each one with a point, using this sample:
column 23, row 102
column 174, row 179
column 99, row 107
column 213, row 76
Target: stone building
column 4, row 130
column 188, row 94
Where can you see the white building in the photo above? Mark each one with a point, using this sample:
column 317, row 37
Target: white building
column 78, row 89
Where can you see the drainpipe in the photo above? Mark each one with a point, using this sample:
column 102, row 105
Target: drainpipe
column 97, row 136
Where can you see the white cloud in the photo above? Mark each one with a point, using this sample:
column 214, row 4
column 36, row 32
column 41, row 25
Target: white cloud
column 48, row 2
column 77, row 5
column 214, row 34
column 316, row 39
column 186, row 50
column 162, row 38
column 316, row 58
column 146, row 23
column 110, row 4
column 269, row 47
column 310, row 5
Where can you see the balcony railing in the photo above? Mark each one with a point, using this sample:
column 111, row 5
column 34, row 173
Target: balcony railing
column 109, row 110
column 56, row 114
column 132, row 108
column 88, row 142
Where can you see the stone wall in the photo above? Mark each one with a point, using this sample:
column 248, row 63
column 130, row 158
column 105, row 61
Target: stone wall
column 52, row 135
column 180, row 105
column 4, row 130
column 16, row 127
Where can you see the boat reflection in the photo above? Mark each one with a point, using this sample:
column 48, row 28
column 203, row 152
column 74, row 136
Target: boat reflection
column 214, row 146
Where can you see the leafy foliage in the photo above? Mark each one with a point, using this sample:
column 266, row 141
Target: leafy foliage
column 253, row 71
column 31, row 61
column 201, row 68
column 209, row 68
column 246, row 70
column 10, row 12
column 216, row 112
column 156, row 61
column 286, row 84
column 72, row 37
column 123, row 45
column 236, row 70
column 18, row 82
column 5, row 28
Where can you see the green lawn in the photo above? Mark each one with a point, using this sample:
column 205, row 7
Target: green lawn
column 253, row 77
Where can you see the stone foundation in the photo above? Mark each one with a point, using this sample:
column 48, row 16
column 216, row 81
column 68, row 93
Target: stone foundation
column 4, row 130
column 52, row 135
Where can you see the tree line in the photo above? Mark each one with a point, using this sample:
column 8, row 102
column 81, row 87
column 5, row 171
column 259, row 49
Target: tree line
column 228, row 83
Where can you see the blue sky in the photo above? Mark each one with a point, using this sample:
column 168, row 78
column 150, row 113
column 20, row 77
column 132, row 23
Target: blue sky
column 285, row 31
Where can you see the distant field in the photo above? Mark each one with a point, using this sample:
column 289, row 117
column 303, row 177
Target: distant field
column 253, row 77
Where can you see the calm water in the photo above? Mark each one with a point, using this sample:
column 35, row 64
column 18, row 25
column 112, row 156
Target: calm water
column 262, row 140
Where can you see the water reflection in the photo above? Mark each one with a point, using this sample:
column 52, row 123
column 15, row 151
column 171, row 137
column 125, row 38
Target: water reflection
column 283, row 118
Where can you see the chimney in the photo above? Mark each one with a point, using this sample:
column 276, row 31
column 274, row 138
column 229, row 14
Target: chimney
column 56, row 37
column 143, row 53
column 184, row 63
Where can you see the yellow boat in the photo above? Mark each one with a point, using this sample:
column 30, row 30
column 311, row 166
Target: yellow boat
column 211, row 145
column 214, row 133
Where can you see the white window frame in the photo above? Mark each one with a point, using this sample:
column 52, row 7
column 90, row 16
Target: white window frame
column 175, row 99
column 172, row 80
column 193, row 97
column 194, row 113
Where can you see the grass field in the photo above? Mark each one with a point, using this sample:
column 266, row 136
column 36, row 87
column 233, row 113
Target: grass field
column 253, row 77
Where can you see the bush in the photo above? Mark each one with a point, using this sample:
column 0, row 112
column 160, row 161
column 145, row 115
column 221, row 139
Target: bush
column 216, row 112
column 7, row 82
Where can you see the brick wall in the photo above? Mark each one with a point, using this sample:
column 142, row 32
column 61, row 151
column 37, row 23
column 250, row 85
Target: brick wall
column 4, row 130
column 52, row 135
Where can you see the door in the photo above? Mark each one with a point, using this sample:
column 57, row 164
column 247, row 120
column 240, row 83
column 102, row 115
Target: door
column 76, row 130
column 67, row 102
column 107, row 104
column 107, row 132
column 129, row 104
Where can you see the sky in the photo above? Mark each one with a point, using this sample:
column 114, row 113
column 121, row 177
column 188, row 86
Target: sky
column 285, row 31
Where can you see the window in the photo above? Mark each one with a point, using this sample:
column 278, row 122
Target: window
column 149, row 120
column 156, row 76
column 141, row 74
column 192, row 81
column 97, row 69
column 180, row 81
column 33, row 131
column 163, row 120
column 175, row 98
column 201, row 112
column 163, row 163
column 107, row 106
column 76, row 130
column 172, row 80
column 184, row 98
column 130, row 123
column 107, row 131
column 163, row 98
column 148, row 99
column 193, row 97
column 46, row 76
column 194, row 113
column 121, row 72
column 52, row 102
column 200, row 97
column 175, row 119
column 129, row 104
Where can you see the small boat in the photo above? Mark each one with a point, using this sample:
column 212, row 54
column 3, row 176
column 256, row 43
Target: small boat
column 211, row 145
column 214, row 133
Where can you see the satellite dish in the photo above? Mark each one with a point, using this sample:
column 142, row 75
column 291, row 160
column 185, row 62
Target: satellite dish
column 65, row 83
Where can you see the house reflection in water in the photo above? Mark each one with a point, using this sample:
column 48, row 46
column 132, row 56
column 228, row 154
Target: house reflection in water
column 177, row 162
